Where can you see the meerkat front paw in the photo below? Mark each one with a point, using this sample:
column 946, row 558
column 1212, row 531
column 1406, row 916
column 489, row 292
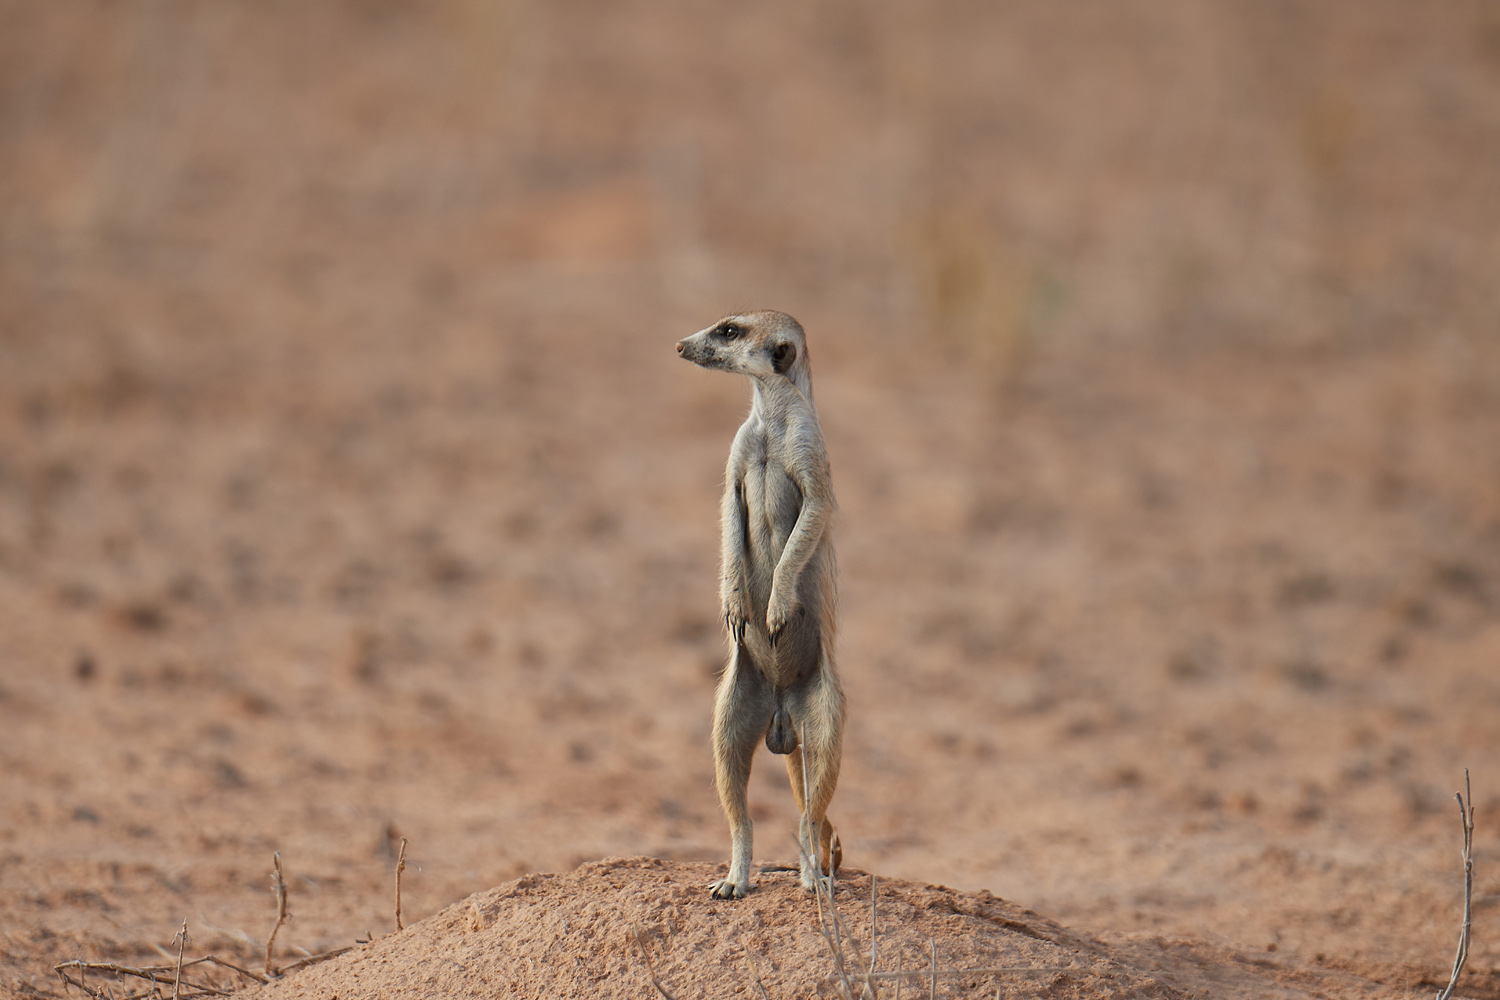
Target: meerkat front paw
column 736, row 616
column 780, row 614
column 728, row 889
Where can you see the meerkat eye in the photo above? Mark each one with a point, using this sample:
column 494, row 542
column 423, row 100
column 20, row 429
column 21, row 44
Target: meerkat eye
column 729, row 331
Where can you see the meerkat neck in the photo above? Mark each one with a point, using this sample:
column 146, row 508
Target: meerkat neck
column 778, row 394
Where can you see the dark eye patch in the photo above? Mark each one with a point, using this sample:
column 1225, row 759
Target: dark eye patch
column 730, row 331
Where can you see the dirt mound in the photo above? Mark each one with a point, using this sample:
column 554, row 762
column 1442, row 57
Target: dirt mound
column 588, row 933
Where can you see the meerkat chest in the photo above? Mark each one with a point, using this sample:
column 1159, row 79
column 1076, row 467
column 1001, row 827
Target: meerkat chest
column 771, row 495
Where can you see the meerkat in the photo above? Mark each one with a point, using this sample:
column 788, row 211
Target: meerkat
column 776, row 589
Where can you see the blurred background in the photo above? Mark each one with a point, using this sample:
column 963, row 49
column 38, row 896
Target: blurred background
column 351, row 490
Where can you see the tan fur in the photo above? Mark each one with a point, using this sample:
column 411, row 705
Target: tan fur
column 776, row 586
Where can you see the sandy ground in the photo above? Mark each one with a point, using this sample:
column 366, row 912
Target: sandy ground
column 351, row 491
column 639, row 926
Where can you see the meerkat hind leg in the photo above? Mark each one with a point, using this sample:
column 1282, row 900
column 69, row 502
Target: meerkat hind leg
column 742, row 711
column 820, row 844
column 819, row 719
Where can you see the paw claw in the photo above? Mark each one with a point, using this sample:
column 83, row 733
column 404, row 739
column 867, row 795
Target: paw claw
column 725, row 889
column 735, row 622
column 778, row 619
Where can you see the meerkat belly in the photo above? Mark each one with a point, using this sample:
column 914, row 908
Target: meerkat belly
column 773, row 504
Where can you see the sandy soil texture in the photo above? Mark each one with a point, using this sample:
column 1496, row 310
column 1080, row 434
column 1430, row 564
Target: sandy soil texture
column 610, row 928
column 351, row 490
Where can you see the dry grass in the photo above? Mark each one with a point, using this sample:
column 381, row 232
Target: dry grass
column 1466, row 819
column 650, row 968
column 156, row 975
column 855, row 975
column 400, row 867
column 187, row 989
column 278, row 885
column 835, row 934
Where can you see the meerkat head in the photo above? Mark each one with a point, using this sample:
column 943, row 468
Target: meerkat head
column 762, row 345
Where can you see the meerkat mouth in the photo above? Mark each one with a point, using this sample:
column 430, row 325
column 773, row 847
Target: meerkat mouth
column 698, row 353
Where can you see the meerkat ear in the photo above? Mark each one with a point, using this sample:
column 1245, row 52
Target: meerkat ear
column 782, row 356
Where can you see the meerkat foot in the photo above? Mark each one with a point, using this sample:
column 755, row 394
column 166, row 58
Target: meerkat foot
column 728, row 889
column 812, row 876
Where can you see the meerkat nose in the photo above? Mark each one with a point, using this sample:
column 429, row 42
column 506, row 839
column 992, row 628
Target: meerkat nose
column 680, row 345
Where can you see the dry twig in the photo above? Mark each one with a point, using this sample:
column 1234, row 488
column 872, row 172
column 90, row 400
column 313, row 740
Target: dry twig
column 831, row 929
column 231, row 966
column 754, row 972
column 650, row 969
column 400, row 867
column 282, row 913
column 1465, row 817
column 303, row 963
column 162, row 974
column 184, row 988
column 834, row 923
column 998, row 970
column 182, row 940
column 828, row 928
column 153, row 973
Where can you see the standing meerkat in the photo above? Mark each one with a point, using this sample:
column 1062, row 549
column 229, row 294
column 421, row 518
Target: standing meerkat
column 776, row 587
